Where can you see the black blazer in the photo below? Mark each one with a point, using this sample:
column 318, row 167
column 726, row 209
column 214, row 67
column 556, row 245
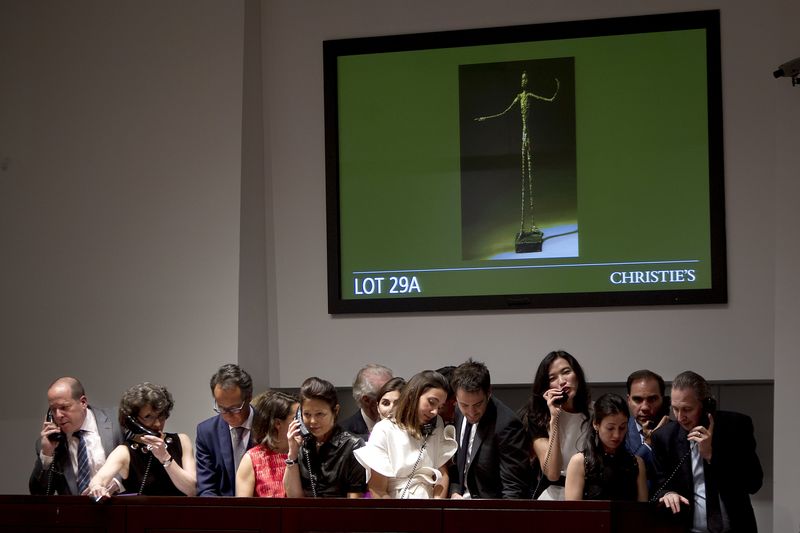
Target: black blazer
column 500, row 464
column 734, row 463
column 355, row 425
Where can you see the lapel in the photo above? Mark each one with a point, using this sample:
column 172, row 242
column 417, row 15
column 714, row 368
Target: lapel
column 69, row 473
column 633, row 438
column 225, row 447
column 104, row 429
column 682, row 447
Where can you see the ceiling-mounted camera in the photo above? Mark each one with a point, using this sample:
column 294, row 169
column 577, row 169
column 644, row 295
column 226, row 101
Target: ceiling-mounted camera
column 790, row 69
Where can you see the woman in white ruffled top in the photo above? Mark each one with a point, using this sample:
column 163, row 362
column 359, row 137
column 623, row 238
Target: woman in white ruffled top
column 406, row 456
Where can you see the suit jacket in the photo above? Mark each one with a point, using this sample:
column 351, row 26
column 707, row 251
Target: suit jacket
column 634, row 444
column 734, row 463
column 500, row 462
column 356, row 425
column 216, row 470
column 63, row 479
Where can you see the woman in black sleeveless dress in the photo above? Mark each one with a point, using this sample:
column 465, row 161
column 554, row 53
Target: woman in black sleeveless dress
column 605, row 470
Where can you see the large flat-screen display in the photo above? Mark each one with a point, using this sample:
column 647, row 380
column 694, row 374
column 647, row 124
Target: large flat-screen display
column 548, row 165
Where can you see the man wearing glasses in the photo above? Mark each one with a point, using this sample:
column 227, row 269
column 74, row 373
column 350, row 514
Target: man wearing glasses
column 223, row 439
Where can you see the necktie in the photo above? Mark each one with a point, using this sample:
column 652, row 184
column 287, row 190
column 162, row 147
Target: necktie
column 84, row 469
column 713, row 510
column 463, row 459
column 238, row 445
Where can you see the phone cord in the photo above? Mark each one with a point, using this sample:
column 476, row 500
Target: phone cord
column 146, row 473
column 548, row 454
column 50, row 477
column 672, row 475
column 416, row 464
column 311, row 475
column 50, row 471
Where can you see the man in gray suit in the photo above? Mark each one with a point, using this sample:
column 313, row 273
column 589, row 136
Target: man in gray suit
column 74, row 442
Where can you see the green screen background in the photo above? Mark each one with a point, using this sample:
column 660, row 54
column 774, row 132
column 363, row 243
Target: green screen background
column 642, row 164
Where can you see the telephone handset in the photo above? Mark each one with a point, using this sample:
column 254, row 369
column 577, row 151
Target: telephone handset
column 305, row 434
column 427, row 429
column 561, row 399
column 136, row 430
column 709, row 407
column 54, row 437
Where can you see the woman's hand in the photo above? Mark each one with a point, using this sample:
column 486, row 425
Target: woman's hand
column 294, row 438
column 554, row 399
column 157, row 447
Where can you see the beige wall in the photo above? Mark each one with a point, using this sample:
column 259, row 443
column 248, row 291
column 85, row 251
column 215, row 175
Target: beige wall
column 131, row 226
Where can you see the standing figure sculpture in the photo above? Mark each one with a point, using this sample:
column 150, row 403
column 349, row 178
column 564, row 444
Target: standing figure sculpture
column 530, row 239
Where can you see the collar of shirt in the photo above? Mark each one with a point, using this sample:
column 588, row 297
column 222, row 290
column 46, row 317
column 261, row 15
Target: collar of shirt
column 247, row 424
column 367, row 420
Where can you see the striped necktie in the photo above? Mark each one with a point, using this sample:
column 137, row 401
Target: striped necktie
column 84, row 468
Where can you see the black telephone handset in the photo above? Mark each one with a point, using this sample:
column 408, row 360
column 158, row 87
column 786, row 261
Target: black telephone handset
column 137, row 430
column 561, row 399
column 54, row 437
column 427, row 429
column 305, row 434
column 709, row 407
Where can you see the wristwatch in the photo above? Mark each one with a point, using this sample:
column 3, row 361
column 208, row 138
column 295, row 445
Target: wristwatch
column 290, row 462
column 166, row 463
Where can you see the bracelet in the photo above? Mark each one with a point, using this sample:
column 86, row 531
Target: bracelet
column 166, row 463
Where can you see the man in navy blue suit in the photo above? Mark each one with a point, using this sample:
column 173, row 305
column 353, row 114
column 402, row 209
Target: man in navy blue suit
column 648, row 407
column 223, row 439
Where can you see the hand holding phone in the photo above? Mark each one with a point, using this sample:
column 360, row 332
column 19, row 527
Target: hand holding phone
column 54, row 435
column 559, row 400
column 305, row 434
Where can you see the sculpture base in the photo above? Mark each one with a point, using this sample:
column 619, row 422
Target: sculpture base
column 528, row 241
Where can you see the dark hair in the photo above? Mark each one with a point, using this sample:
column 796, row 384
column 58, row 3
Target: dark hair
column 230, row 376
column 447, row 372
column 535, row 415
column 471, row 376
column 392, row 385
column 135, row 398
column 694, row 381
column 646, row 375
column 405, row 412
column 606, row 405
column 270, row 406
column 315, row 388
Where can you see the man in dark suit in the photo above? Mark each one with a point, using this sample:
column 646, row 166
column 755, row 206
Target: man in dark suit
column 73, row 429
column 706, row 461
column 222, row 440
column 646, row 402
column 493, row 456
column 365, row 392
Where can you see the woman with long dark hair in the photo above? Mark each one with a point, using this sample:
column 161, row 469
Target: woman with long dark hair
column 557, row 418
column 606, row 470
column 407, row 455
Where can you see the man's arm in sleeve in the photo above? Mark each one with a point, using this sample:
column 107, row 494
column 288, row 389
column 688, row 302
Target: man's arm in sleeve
column 207, row 473
column 515, row 465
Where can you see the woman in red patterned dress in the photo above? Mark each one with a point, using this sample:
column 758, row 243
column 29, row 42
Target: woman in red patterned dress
column 261, row 471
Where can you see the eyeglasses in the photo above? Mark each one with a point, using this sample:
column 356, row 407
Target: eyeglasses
column 228, row 410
